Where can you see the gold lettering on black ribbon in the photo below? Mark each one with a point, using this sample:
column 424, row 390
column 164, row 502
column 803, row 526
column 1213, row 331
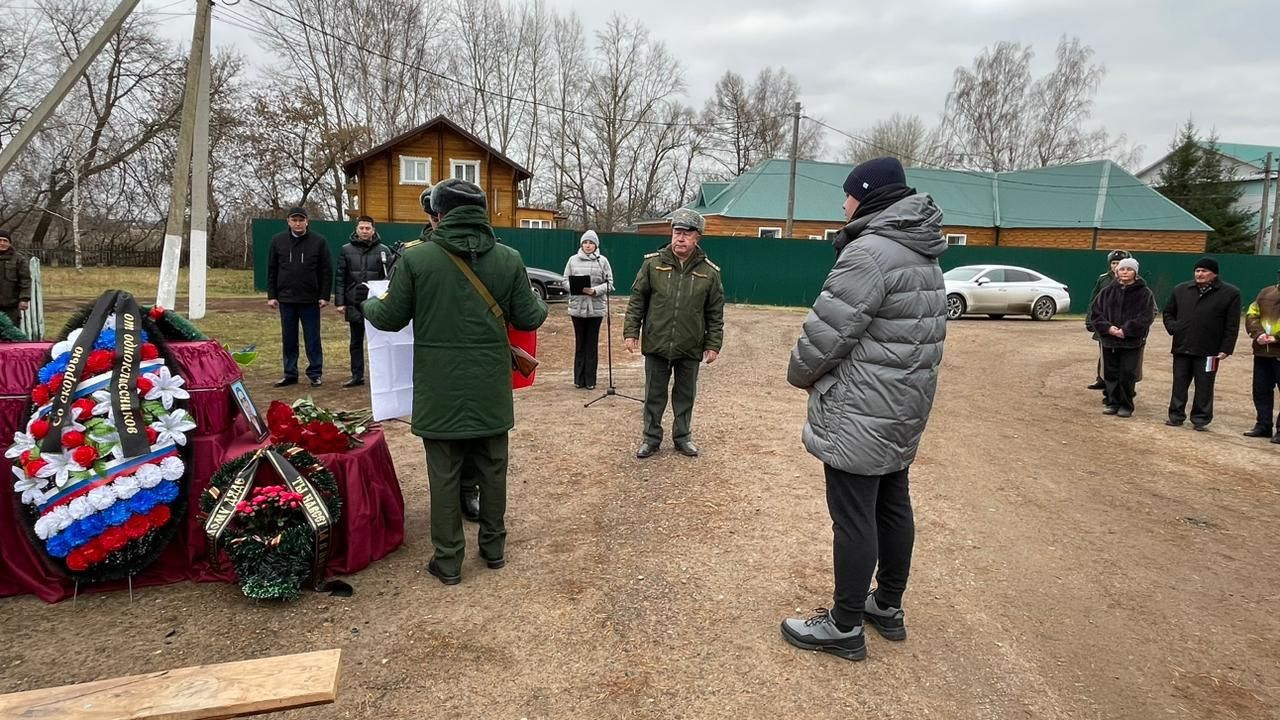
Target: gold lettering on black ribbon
column 316, row 511
column 127, row 406
column 236, row 492
column 60, row 410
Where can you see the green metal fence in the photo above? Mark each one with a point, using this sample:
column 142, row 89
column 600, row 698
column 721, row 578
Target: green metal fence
column 770, row 271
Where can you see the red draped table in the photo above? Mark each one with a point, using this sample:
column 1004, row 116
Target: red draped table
column 371, row 526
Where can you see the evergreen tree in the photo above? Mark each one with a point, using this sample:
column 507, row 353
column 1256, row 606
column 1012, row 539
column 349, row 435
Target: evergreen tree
column 1196, row 178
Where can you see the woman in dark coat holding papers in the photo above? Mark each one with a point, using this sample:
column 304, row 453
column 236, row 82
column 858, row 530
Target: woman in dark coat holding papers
column 587, row 309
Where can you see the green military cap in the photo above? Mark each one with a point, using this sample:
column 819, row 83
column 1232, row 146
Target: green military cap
column 687, row 219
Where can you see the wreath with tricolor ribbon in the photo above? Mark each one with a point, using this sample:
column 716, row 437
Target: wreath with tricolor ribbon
column 99, row 465
column 279, row 534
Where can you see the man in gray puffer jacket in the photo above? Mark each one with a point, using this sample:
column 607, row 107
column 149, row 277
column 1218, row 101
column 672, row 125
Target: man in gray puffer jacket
column 869, row 358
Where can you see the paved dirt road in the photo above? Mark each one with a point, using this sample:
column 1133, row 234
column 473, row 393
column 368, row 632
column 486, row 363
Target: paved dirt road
column 1067, row 564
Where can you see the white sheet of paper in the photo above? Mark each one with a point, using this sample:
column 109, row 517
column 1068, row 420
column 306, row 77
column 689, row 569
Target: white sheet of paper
column 390, row 366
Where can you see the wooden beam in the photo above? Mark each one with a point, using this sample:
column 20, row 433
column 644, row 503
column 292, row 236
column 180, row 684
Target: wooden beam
column 205, row 692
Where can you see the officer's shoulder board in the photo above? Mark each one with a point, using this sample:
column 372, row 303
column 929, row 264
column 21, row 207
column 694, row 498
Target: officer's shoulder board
column 652, row 255
column 412, row 243
column 713, row 265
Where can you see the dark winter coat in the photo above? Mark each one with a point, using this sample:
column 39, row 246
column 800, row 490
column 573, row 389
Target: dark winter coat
column 1132, row 308
column 872, row 344
column 358, row 263
column 299, row 269
column 461, row 355
column 1203, row 324
column 1103, row 280
column 15, row 279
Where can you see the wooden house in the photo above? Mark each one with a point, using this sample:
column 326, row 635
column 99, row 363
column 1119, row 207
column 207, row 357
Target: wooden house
column 385, row 181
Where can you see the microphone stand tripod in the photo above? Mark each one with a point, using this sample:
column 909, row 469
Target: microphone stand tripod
column 609, row 391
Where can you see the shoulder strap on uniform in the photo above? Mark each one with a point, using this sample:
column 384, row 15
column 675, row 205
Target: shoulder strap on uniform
column 651, row 255
column 708, row 261
column 478, row 284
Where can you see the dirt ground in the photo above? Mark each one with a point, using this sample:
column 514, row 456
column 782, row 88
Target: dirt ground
column 1067, row 565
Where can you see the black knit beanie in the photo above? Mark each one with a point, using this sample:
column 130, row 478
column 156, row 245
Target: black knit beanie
column 1207, row 263
column 454, row 193
column 4, row 233
column 872, row 175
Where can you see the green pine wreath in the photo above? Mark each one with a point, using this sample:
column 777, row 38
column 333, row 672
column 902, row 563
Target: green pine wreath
column 277, row 567
column 171, row 325
column 10, row 332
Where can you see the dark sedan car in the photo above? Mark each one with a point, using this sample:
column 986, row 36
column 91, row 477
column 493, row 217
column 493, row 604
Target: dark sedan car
column 551, row 287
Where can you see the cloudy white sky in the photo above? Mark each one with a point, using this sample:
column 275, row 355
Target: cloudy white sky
column 861, row 61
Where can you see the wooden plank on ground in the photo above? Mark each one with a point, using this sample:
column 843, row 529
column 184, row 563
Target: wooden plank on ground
column 205, row 692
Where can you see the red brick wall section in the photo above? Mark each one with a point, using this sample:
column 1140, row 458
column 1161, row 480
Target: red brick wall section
column 974, row 236
column 1152, row 241
column 1065, row 239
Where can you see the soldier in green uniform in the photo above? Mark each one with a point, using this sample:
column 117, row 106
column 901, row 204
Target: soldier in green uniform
column 15, row 279
column 1105, row 279
column 676, row 318
column 462, row 406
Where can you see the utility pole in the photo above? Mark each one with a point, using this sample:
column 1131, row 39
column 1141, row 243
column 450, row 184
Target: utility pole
column 1260, row 247
column 65, row 82
column 1275, row 222
column 791, row 184
column 75, row 212
column 200, row 198
column 167, row 293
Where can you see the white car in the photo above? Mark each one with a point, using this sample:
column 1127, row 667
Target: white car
column 999, row 290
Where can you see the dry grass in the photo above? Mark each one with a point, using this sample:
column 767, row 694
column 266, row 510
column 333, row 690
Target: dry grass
column 66, row 283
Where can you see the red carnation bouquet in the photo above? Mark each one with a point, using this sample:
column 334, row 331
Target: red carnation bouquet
column 316, row 429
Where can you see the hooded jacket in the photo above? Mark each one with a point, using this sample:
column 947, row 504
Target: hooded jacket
column 461, row 355
column 597, row 266
column 299, row 269
column 15, row 279
column 872, row 343
column 358, row 263
column 1132, row 308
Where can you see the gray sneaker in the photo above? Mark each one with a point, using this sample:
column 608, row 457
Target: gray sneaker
column 820, row 633
column 888, row 621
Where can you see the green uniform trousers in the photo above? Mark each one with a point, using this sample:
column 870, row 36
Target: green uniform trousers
column 445, row 462
column 657, row 373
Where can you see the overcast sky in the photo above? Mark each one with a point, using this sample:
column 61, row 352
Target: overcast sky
column 861, row 61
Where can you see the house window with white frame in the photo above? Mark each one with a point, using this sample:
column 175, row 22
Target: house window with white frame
column 537, row 224
column 829, row 235
column 770, row 232
column 415, row 170
column 468, row 170
column 957, row 239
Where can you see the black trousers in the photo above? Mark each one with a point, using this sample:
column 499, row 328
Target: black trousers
column 586, row 350
column 1266, row 378
column 1120, row 373
column 872, row 520
column 1185, row 369
column 357, row 349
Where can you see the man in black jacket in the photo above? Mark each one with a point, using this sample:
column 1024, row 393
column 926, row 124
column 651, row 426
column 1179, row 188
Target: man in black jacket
column 1203, row 316
column 15, row 279
column 299, row 275
column 362, row 259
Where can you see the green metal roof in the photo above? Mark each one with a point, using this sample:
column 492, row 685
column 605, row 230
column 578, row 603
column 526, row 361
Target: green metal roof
column 1251, row 154
column 1058, row 197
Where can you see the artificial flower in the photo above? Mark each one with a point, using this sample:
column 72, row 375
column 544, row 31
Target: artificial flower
column 55, row 383
column 93, row 553
column 76, row 561
column 72, row 440
column 45, row 527
column 22, row 442
column 40, row 395
column 33, row 468
column 80, row 508
column 109, row 440
column 102, row 405
column 173, row 428
column 59, row 466
column 84, row 456
column 31, row 489
column 148, row 476
column 101, row 498
column 149, row 351
column 152, row 435
column 172, row 469
column 114, row 539
column 117, row 514
column 66, row 345
column 166, row 387
column 99, row 361
column 145, row 385
column 125, row 487
column 54, row 367
column 39, row 428
column 159, row 515
column 156, row 313
column 167, row 492
column 137, row 526
column 84, row 408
